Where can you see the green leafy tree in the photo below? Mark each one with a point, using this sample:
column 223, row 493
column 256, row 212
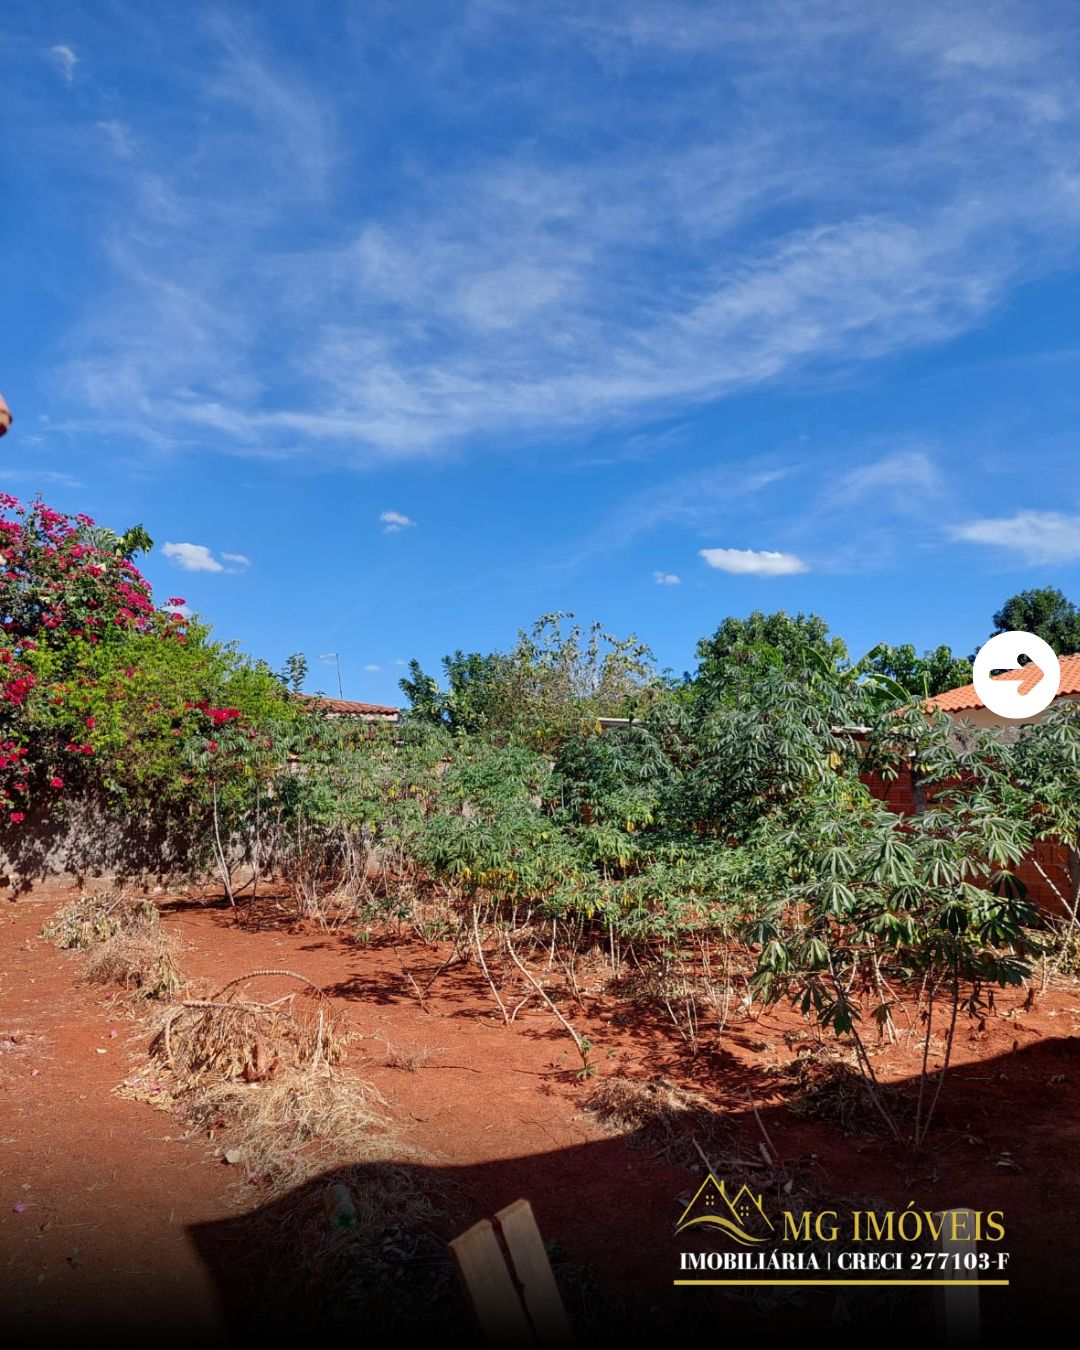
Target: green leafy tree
column 295, row 672
column 932, row 673
column 479, row 693
column 555, row 677
column 133, row 541
column 1045, row 611
column 742, row 650
column 566, row 675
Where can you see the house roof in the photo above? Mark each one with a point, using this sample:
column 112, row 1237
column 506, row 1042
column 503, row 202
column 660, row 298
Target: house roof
column 959, row 700
column 347, row 707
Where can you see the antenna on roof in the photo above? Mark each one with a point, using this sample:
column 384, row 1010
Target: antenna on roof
column 336, row 658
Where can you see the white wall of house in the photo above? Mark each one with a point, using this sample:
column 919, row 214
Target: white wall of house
column 983, row 717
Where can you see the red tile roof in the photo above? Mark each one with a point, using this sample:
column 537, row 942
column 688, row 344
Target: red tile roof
column 958, row 700
column 347, row 707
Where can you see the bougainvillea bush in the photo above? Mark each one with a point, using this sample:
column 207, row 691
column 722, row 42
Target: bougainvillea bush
column 100, row 687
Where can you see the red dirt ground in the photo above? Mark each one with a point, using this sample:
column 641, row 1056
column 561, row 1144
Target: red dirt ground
column 105, row 1210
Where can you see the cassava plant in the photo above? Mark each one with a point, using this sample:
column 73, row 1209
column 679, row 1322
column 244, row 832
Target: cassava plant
column 868, row 903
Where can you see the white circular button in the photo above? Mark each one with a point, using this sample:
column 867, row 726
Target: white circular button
column 1030, row 689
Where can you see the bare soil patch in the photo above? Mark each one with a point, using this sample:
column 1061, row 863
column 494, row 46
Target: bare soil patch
column 115, row 1213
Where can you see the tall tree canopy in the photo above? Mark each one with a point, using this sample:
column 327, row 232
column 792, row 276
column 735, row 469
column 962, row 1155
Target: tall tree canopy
column 1046, row 612
column 554, row 677
column 929, row 674
column 742, row 651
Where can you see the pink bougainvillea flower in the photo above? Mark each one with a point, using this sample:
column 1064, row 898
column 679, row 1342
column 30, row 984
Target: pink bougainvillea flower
column 56, row 782
column 90, row 723
column 17, row 817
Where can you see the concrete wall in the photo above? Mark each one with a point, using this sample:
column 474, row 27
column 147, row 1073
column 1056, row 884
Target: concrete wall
column 1006, row 727
column 90, row 840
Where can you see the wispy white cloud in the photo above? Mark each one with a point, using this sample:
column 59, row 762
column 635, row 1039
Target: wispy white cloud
column 38, row 476
column 1034, row 536
column 64, row 60
column 908, row 479
column 288, row 112
column 192, row 557
column 393, row 521
column 753, row 562
column 372, row 668
column 118, row 135
column 272, row 292
column 199, row 558
column 666, row 579
column 690, row 501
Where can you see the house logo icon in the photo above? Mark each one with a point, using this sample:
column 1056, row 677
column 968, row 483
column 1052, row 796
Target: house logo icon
column 741, row 1216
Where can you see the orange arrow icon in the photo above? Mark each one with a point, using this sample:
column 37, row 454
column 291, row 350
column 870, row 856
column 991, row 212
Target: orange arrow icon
column 1029, row 676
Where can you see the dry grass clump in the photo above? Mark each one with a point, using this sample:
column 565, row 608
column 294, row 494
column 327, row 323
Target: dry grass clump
column 288, row 1137
column 124, row 941
column 1058, row 947
column 411, row 1058
column 659, row 1116
column 253, row 1067
column 263, row 1073
column 231, row 1036
column 284, row 1132
column 92, row 919
column 142, row 963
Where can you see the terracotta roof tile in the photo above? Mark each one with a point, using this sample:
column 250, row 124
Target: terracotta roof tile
column 958, row 700
column 347, row 707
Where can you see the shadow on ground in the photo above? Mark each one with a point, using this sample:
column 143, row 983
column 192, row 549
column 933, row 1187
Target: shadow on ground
column 1007, row 1140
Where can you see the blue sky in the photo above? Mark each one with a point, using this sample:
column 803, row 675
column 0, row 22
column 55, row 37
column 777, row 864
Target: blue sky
column 399, row 324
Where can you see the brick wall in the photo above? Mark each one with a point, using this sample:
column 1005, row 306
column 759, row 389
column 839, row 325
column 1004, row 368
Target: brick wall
column 1048, row 872
column 898, row 796
column 1053, row 860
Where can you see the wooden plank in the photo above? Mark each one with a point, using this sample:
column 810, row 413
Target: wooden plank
column 534, row 1274
column 957, row 1304
column 489, row 1287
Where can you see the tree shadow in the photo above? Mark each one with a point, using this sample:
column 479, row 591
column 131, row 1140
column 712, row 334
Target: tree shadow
column 1007, row 1138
